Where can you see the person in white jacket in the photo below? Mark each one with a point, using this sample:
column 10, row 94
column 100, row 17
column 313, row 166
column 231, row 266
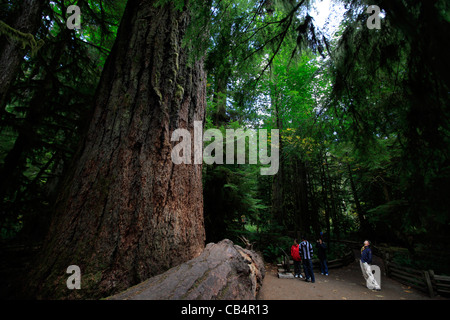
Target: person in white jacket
column 365, row 262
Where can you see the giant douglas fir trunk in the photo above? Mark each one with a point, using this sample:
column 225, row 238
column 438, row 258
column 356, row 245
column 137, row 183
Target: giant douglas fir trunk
column 126, row 211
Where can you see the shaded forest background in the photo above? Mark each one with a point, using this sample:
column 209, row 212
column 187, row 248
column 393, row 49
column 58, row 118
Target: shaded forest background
column 363, row 116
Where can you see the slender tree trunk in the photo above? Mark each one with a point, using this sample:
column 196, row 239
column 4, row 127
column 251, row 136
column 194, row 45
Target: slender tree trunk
column 298, row 218
column 314, row 212
column 387, row 198
column 325, row 200
column 334, row 212
column 14, row 162
column 359, row 210
column 26, row 19
column 302, row 195
column 277, row 184
column 278, row 193
column 126, row 211
column 220, row 98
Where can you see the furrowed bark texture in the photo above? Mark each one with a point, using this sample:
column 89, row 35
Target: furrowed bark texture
column 127, row 212
column 223, row 271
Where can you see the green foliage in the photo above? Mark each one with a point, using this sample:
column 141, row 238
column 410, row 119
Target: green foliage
column 230, row 192
column 48, row 108
column 178, row 4
column 363, row 117
column 389, row 94
column 376, row 158
column 272, row 252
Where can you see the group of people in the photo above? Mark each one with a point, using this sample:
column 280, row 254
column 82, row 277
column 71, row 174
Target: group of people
column 302, row 254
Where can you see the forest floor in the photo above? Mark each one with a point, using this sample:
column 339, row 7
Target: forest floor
column 346, row 283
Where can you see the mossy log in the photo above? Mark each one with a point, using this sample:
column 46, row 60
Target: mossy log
column 223, row 271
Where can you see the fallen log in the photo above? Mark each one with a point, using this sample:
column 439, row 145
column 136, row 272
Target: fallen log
column 223, row 271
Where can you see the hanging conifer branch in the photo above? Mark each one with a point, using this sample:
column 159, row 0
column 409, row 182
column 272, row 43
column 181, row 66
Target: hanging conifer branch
column 25, row 39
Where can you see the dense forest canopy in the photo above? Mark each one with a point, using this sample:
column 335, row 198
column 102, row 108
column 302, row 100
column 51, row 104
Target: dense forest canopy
column 86, row 116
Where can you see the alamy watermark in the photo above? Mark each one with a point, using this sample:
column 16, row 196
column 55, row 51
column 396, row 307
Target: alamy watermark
column 74, row 21
column 74, row 281
column 213, row 152
column 374, row 21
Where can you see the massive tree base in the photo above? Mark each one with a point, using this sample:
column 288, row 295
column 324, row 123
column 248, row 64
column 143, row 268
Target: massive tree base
column 223, row 271
column 126, row 211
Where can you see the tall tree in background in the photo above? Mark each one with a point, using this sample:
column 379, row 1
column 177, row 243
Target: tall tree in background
column 126, row 212
column 47, row 105
column 25, row 19
column 391, row 85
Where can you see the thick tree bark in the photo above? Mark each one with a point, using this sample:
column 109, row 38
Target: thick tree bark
column 222, row 272
column 126, row 211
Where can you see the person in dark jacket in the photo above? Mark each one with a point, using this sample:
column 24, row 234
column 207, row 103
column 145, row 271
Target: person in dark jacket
column 365, row 262
column 306, row 252
column 322, row 255
column 295, row 254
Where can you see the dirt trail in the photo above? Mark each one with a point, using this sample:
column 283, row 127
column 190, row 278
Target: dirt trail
column 346, row 283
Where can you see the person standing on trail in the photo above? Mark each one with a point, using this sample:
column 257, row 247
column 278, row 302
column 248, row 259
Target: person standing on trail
column 306, row 253
column 322, row 255
column 297, row 259
column 365, row 262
